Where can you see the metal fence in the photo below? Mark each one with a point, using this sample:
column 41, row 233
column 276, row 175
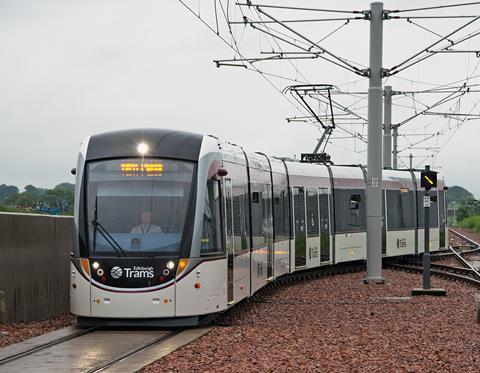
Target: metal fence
column 34, row 266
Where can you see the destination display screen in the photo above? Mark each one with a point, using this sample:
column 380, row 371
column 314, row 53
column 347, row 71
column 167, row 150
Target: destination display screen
column 132, row 168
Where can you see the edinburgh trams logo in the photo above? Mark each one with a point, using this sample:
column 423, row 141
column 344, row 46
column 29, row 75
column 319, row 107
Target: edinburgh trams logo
column 135, row 272
column 116, row 272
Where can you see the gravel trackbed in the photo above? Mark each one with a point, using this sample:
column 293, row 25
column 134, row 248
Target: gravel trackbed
column 17, row 332
column 339, row 324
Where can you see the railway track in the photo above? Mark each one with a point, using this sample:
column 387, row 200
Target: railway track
column 43, row 346
column 465, row 238
column 87, row 342
column 95, row 350
column 466, row 273
column 90, row 350
column 446, row 273
column 474, row 247
column 29, row 359
column 104, row 366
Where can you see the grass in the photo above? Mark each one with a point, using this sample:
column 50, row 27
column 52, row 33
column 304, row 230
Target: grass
column 472, row 223
column 6, row 209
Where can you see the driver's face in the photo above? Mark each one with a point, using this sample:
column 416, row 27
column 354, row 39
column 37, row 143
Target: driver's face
column 146, row 218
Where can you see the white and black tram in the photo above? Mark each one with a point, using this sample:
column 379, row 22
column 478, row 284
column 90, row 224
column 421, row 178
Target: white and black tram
column 172, row 226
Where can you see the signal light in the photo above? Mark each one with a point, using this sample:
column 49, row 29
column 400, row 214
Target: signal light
column 197, row 285
column 428, row 179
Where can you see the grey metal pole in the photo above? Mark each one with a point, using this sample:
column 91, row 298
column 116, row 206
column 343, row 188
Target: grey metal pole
column 374, row 152
column 395, row 147
column 387, row 127
column 427, row 290
column 426, row 254
column 411, row 161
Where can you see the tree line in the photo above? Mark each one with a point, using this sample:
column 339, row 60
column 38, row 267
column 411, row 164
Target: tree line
column 461, row 200
column 55, row 201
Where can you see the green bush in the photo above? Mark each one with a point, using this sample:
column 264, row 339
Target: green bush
column 472, row 223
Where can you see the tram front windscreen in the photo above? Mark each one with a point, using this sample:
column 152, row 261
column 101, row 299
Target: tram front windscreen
column 137, row 206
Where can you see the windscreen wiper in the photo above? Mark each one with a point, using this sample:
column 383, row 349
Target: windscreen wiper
column 97, row 226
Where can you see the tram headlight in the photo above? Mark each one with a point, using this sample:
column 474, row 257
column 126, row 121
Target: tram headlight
column 95, row 265
column 142, row 148
column 170, row 265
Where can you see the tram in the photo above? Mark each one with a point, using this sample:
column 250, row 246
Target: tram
column 173, row 226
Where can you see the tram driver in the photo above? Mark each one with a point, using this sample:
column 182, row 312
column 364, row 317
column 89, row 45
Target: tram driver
column 146, row 227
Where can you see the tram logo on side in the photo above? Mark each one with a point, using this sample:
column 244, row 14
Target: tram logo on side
column 116, row 272
column 135, row 272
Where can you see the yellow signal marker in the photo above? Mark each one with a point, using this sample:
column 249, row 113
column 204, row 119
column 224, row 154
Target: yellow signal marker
column 429, row 180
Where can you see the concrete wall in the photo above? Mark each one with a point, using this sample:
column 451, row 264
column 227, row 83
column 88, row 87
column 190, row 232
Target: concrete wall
column 34, row 266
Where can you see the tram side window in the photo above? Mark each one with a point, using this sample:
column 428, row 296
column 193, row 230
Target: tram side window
column 281, row 215
column 259, row 238
column 312, row 213
column 324, row 217
column 267, row 211
column 350, row 210
column 240, row 221
column 212, row 233
column 400, row 209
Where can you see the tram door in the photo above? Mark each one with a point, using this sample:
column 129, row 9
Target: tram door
column 268, row 227
column 229, row 235
column 324, row 204
column 299, row 227
column 312, row 228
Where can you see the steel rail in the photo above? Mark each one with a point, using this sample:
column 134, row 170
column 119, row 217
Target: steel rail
column 43, row 346
column 463, row 237
column 453, row 269
column 118, row 359
column 111, row 363
column 450, row 254
column 444, row 274
column 464, row 262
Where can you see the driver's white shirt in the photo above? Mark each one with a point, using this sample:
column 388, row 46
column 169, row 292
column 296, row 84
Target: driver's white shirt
column 146, row 229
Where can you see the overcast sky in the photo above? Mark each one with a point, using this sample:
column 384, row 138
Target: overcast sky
column 69, row 69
